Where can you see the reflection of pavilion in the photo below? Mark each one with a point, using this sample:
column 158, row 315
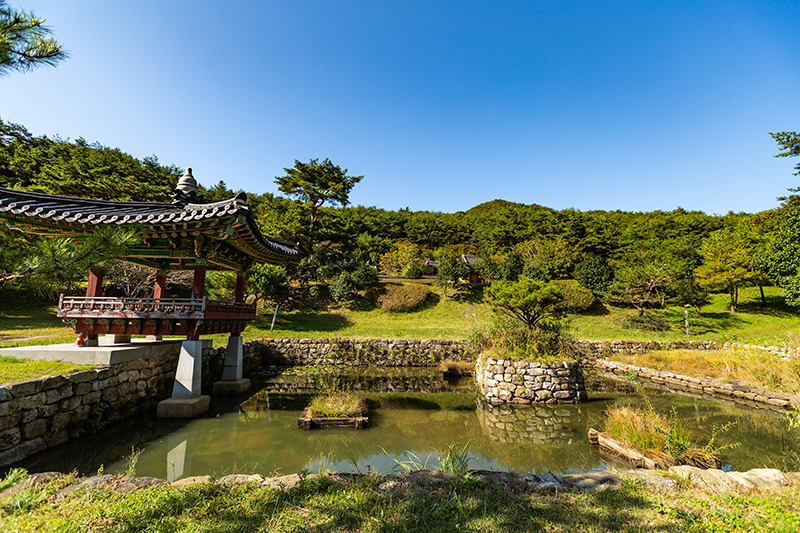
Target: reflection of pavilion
column 186, row 234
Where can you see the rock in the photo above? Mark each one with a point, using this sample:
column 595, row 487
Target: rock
column 592, row 481
column 282, row 482
column 190, row 481
column 132, row 484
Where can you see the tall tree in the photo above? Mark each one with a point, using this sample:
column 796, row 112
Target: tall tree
column 727, row 264
column 789, row 142
column 316, row 183
column 25, row 42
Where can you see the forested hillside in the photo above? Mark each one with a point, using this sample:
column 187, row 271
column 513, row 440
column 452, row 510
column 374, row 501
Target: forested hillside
column 644, row 259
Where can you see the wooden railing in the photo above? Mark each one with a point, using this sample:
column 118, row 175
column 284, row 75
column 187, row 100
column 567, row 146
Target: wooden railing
column 159, row 308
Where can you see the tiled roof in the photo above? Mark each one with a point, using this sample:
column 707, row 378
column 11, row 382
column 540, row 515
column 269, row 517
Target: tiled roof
column 86, row 212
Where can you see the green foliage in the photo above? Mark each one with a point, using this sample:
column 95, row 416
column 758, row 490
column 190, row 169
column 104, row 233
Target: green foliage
column 55, row 264
column 644, row 281
column 80, row 169
column 25, row 42
column 364, row 276
column 403, row 298
column 594, row 273
column 269, row 283
column 12, row 477
column 510, row 339
column 576, row 297
column 789, row 141
column 451, row 271
column 727, row 264
column 336, row 405
column 342, row 287
column 314, row 183
column 403, row 257
column 530, row 301
column 548, row 259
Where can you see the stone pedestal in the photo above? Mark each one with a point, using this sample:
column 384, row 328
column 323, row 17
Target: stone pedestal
column 232, row 382
column 114, row 338
column 183, row 408
column 240, row 386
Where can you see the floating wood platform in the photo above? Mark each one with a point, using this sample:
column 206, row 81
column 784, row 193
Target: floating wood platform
column 359, row 422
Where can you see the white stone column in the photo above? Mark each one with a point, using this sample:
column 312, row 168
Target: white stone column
column 186, row 401
column 232, row 382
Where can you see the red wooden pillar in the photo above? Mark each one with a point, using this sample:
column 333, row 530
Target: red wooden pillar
column 160, row 288
column 199, row 283
column 239, row 294
column 94, row 288
column 95, row 285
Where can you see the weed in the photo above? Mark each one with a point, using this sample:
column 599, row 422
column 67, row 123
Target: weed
column 131, row 461
column 14, row 476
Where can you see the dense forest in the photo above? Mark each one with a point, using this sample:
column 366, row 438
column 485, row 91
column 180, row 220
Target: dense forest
column 641, row 259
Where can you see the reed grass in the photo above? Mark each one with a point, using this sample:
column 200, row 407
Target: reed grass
column 753, row 367
column 336, row 405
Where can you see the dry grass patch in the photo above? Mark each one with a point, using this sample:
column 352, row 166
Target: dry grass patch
column 757, row 368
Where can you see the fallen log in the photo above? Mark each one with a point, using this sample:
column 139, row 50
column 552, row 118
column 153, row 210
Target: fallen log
column 605, row 442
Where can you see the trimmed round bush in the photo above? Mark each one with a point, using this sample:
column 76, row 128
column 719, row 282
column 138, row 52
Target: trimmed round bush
column 403, row 298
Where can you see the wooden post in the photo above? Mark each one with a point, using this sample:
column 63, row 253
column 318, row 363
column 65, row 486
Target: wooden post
column 160, row 288
column 239, row 295
column 199, row 283
column 95, row 285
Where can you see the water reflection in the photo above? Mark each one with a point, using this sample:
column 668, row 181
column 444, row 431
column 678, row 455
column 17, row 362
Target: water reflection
column 260, row 435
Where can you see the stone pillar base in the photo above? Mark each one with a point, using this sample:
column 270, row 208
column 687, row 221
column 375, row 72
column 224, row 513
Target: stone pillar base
column 183, row 408
column 232, row 387
column 114, row 338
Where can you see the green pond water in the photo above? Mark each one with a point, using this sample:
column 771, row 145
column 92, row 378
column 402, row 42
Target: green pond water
column 407, row 424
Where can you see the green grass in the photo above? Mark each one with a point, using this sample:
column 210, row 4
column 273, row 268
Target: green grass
column 31, row 321
column 13, row 370
column 463, row 504
column 336, row 405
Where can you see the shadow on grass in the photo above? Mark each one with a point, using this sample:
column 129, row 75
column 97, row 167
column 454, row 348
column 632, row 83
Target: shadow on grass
column 303, row 321
column 320, row 505
column 776, row 307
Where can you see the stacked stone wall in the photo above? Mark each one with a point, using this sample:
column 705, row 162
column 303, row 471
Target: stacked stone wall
column 702, row 387
column 46, row 412
column 354, row 352
column 605, row 348
column 525, row 382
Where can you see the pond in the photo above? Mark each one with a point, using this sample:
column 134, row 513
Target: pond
column 413, row 414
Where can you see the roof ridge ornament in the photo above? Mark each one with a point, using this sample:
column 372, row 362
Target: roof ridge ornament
column 186, row 191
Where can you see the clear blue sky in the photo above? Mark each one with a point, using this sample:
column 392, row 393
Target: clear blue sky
column 441, row 105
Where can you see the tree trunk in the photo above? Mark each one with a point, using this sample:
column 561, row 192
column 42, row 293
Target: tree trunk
column 733, row 300
column 763, row 298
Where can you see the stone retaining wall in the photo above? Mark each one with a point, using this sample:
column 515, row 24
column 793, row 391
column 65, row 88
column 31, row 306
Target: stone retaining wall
column 703, row 387
column 358, row 352
column 524, row 382
column 46, row 412
column 605, row 348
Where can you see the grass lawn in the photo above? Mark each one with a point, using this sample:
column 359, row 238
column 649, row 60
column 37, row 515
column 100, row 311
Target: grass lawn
column 31, row 321
column 13, row 370
column 461, row 504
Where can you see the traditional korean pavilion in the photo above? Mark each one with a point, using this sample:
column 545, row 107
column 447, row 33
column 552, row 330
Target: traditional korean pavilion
column 186, row 234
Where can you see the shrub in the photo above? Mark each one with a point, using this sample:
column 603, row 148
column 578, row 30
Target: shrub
column 413, row 272
column 364, row 276
column 403, row 298
column 576, row 298
column 342, row 287
column 594, row 273
column 509, row 339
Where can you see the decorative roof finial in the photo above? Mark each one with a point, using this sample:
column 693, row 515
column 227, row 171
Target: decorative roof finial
column 187, row 182
column 186, row 191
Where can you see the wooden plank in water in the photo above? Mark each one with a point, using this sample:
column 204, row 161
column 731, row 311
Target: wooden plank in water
column 359, row 422
column 607, row 443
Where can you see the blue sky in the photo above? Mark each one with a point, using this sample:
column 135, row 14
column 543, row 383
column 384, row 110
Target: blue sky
column 441, row 105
